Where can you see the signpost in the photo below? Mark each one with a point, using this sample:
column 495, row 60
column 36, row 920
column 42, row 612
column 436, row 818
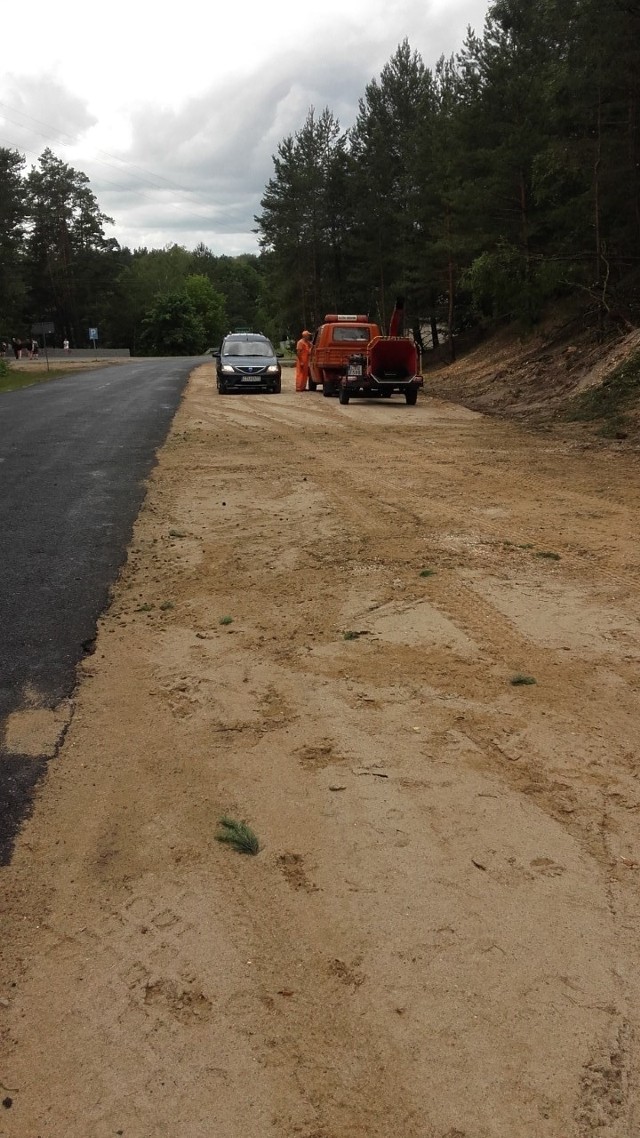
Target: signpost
column 44, row 328
column 93, row 335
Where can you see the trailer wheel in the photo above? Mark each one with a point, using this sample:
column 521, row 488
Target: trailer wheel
column 327, row 389
column 312, row 385
column 411, row 396
column 343, row 396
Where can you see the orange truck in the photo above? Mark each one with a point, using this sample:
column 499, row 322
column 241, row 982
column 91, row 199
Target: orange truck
column 350, row 357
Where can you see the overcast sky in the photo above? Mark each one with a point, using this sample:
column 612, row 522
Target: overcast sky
column 174, row 113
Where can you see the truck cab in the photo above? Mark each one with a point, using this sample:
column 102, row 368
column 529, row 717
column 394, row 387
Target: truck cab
column 337, row 339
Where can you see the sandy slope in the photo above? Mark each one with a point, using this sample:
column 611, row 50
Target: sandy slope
column 439, row 937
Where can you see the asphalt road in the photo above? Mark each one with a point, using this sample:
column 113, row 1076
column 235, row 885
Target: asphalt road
column 74, row 455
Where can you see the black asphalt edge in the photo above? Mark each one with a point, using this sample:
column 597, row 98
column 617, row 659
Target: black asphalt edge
column 21, row 775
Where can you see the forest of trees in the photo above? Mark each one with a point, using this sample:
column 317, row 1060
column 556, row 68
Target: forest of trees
column 57, row 265
column 503, row 180
column 484, row 190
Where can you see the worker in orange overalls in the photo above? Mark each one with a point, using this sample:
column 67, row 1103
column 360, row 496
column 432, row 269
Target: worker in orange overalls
column 303, row 351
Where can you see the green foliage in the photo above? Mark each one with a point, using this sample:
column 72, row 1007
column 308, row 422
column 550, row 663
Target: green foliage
column 239, row 280
column 386, row 156
column 224, row 290
column 508, row 176
column 173, row 327
column 11, row 379
column 301, row 225
column 12, row 226
column 507, row 283
column 67, row 251
column 239, row 835
column 208, row 304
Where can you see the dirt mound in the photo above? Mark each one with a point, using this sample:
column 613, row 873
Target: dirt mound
column 560, row 374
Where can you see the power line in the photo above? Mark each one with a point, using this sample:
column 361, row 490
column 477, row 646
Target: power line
column 144, row 176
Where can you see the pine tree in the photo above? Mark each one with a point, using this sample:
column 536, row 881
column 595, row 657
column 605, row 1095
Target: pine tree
column 12, row 228
column 66, row 239
column 384, row 152
column 299, row 223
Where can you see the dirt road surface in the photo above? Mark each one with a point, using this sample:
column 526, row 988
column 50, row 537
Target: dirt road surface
column 439, row 937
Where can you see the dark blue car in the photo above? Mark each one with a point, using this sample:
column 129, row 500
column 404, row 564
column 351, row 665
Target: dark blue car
column 247, row 362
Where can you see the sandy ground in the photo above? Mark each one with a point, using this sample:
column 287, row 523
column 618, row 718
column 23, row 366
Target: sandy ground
column 439, row 937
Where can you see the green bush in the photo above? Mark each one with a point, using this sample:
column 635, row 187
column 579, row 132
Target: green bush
column 503, row 283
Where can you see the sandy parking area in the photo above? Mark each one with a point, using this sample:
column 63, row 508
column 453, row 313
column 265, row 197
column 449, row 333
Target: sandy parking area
column 439, row 938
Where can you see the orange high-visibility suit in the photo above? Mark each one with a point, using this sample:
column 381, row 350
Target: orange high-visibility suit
column 303, row 351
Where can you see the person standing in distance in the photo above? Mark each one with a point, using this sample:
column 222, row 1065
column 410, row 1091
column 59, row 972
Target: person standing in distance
column 303, row 351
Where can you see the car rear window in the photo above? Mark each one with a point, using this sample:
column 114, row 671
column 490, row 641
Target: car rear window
column 351, row 335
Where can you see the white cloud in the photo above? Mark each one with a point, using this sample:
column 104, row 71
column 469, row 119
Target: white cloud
column 175, row 115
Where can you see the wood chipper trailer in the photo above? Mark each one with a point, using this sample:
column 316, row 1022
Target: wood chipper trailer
column 350, row 357
column 389, row 364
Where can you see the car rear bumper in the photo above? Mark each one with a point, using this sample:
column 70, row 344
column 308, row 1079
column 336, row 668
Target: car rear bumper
column 374, row 386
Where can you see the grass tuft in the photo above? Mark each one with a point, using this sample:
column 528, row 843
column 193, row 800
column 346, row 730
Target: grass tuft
column 238, row 835
column 428, row 573
column 167, row 605
column 351, row 634
column 549, row 554
column 145, row 607
column 521, row 680
column 226, row 620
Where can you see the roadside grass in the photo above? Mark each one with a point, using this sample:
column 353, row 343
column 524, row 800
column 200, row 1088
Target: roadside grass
column 238, row 835
column 610, row 400
column 521, row 679
column 11, row 380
